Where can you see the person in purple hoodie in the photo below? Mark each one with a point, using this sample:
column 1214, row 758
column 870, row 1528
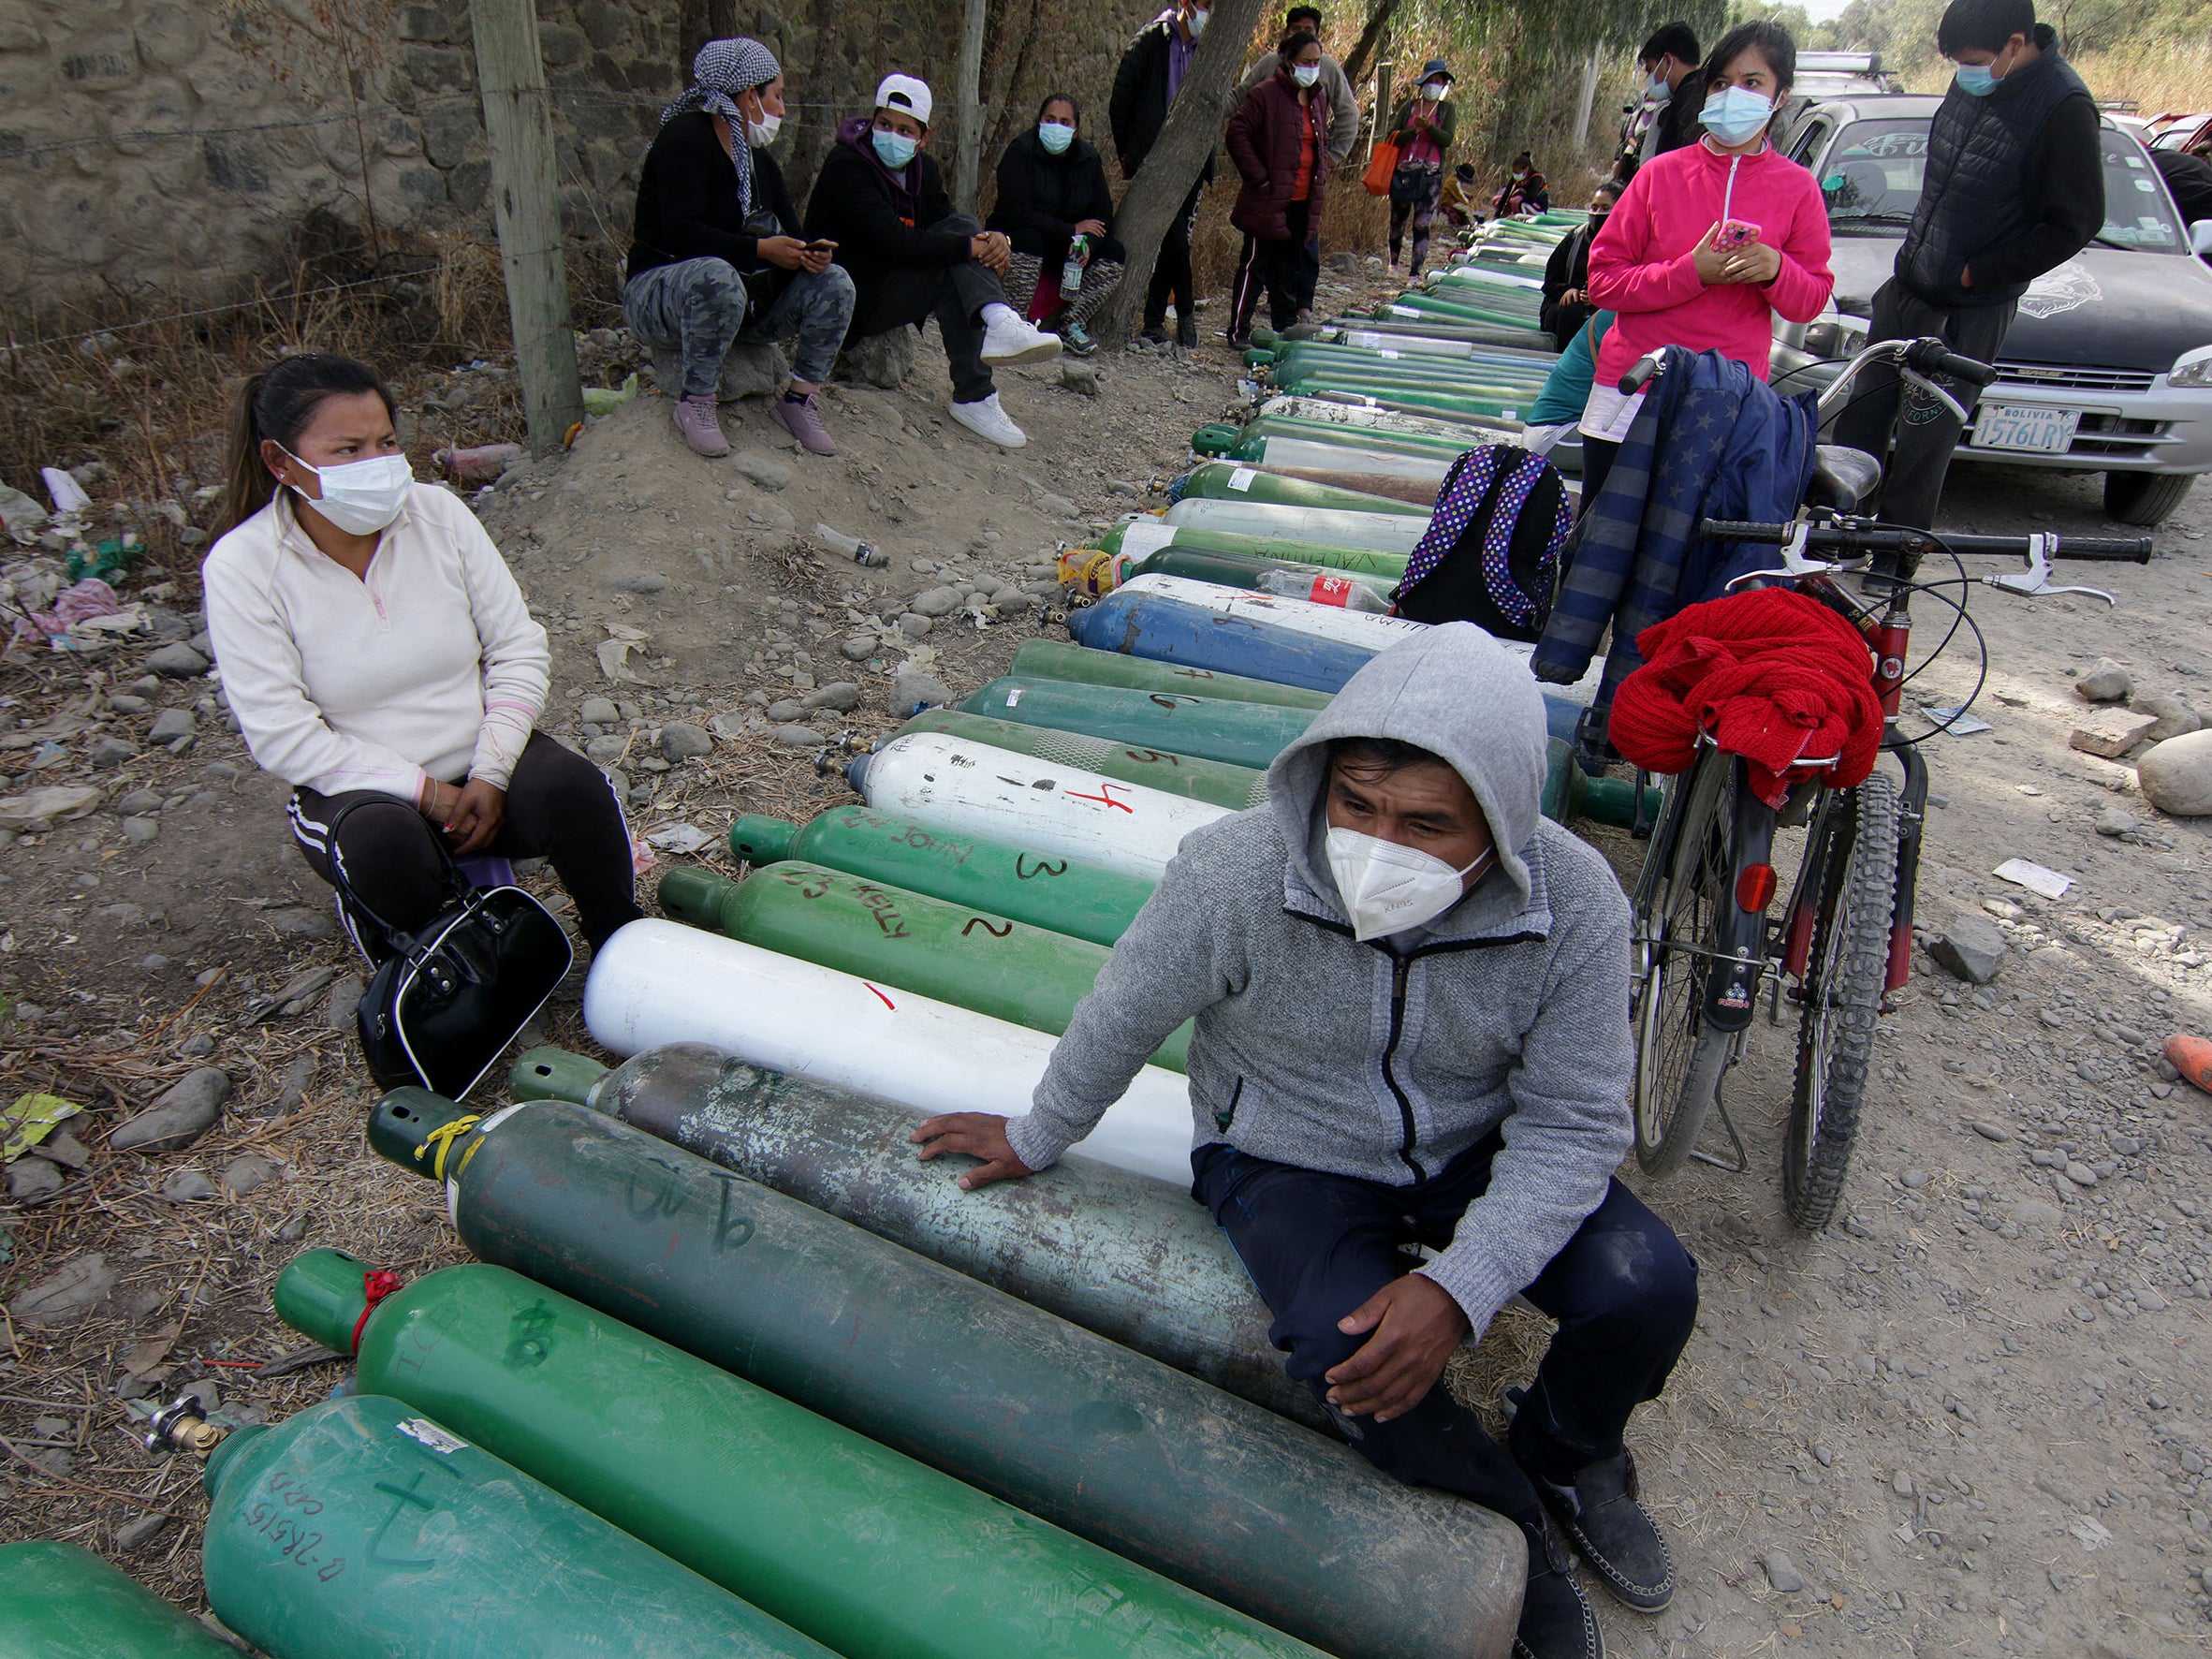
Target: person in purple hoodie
column 882, row 201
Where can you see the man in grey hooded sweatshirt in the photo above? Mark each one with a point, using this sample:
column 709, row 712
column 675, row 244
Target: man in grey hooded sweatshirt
column 1411, row 996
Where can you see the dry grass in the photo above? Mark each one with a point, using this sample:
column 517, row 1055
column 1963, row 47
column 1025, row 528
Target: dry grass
column 2159, row 76
column 147, row 391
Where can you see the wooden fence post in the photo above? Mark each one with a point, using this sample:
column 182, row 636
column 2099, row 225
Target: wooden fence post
column 526, row 209
column 968, row 154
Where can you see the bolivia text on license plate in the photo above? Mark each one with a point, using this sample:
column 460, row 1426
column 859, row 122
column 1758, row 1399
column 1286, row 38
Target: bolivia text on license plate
column 2025, row 427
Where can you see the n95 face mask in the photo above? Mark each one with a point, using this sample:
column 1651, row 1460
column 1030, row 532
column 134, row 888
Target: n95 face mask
column 1386, row 887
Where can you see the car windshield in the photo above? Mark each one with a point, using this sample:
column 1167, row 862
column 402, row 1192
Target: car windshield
column 1871, row 178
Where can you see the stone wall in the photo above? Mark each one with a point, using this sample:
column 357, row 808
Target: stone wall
column 158, row 150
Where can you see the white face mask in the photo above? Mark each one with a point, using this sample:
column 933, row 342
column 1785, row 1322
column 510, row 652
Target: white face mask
column 360, row 498
column 1386, row 887
column 762, row 133
column 1196, row 22
column 1433, row 91
column 1305, row 74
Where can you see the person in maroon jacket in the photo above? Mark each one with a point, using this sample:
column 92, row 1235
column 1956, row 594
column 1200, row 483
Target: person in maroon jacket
column 1279, row 140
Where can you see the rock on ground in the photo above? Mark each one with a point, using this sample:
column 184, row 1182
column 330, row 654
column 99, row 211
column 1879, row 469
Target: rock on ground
column 2177, row 775
column 883, row 359
column 749, row 369
column 2107, row 682
column 65, row 1296
column 188, row 1110
column 1971, row 948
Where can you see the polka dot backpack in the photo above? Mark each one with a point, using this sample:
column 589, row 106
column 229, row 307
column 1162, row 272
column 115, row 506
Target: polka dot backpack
column 1491, row 554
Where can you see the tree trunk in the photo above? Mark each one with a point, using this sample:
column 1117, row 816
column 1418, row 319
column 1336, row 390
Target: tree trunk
column 1355, row 65
column 1185, row 143
column 698, row 22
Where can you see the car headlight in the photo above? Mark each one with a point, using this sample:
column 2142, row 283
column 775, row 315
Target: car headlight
column 1836, row 336
column 2192, row 368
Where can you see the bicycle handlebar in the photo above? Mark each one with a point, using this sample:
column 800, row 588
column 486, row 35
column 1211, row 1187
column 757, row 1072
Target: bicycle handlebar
column 1867, row 538
column 1932, row 356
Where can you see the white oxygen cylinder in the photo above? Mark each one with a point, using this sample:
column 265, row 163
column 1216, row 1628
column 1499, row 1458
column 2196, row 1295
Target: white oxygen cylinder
column 659, row 982
column 1314, row 454
column 974, row 790
column 1331, row 526
column 1322, row 621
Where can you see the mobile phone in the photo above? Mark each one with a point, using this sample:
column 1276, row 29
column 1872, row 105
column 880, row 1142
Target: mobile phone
column 818, row 246
column 1735, row 234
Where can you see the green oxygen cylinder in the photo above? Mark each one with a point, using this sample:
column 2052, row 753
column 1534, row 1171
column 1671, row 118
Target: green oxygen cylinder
column 1220, row 783
column 1232, row 1501
column 1082, row 901
column 1141, row 537
column 910, row 941
column 58, row 1601
column 1222, row 481
column 361, row 1528
column 1055, row 659
column 1248, row 571
column 1212, row 728
column 1413, row 399
column 1448, row 445
column 1569, row 792
column 858, row 1547
column 1124, row 1255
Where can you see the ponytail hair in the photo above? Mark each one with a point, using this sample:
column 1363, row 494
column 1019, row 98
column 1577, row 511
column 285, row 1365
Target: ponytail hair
column 278, row 404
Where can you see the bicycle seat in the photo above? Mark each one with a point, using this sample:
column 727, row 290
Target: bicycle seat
column 1841, row 477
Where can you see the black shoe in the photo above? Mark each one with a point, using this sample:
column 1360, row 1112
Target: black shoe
column 1186, row 332
column 1302, row 331
column 1237, row 342
column 1557, row 1620
column 1154, row 334
column 1610, row 1529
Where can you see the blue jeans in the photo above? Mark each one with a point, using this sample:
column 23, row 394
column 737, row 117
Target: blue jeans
column 698, row 307
column 1624, row 1292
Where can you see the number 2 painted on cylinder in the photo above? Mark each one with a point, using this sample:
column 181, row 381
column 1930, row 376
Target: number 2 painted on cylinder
column 997, row 930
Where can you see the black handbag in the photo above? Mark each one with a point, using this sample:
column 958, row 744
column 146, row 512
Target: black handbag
column 449, row 998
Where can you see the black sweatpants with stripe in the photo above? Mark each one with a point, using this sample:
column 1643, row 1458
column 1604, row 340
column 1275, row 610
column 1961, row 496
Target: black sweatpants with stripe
column 558, row 806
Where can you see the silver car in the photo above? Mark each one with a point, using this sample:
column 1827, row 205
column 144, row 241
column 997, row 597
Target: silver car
column 2108, row 365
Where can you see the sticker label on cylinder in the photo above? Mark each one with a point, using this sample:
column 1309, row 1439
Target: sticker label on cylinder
column 1137, row 539
column 1241, row 479
column 439, row 1440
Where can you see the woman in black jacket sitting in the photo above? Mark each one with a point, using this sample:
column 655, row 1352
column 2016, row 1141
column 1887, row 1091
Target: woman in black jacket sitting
column 1052, row 188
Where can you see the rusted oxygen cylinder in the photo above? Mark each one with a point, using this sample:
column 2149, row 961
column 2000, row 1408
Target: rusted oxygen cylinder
column 970, row 959
column 1082, row 901
column 1211, row 728
column 1055, row 659
column 1192, row 776
column 361, row 1528
column 58, row 1601
column 1240, row 1505
column 1126, row 1256
column 844, row 1540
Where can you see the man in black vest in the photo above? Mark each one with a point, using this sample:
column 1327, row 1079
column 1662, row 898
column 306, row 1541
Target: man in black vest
column 2013, row 187
column 1669, row 98
column 1151, row 75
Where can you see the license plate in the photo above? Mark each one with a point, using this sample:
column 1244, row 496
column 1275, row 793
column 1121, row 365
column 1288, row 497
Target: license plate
column 2025, row 428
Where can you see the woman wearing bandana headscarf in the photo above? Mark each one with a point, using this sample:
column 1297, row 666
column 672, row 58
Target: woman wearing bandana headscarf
column 716, row 243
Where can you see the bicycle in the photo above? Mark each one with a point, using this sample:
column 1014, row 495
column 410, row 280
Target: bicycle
column 1704, row 942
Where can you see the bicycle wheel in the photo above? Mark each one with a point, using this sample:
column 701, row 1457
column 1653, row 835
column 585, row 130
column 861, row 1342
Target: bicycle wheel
column 1842, row 998
column 1679, row 1058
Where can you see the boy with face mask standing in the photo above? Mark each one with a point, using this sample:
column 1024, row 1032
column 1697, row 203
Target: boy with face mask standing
column 2013, row 186
column 1410, row 994
column 881, row 201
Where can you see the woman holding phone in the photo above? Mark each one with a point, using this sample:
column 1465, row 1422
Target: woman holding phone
column 1710, row 242
column 716, row 246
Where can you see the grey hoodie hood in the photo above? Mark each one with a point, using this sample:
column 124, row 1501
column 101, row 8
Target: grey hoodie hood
column 1458, row 693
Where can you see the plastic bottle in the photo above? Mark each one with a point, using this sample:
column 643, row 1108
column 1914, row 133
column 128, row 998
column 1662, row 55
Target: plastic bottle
column 1323, row 589
column 860, row 553
column 1070, row 274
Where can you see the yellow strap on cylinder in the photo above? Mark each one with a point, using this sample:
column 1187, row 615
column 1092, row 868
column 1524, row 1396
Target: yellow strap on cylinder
column 442, row 1139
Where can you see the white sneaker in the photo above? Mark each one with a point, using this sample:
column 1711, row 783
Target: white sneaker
column 986, row 419
column 1008, row 340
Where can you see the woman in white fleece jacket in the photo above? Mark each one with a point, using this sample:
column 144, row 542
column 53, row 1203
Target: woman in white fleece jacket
column 376, row 649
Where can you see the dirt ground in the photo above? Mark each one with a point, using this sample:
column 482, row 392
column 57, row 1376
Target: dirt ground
column 1971, row 1415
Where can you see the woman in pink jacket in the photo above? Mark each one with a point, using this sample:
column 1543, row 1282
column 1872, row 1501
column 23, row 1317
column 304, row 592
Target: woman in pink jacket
column 1710, row 241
